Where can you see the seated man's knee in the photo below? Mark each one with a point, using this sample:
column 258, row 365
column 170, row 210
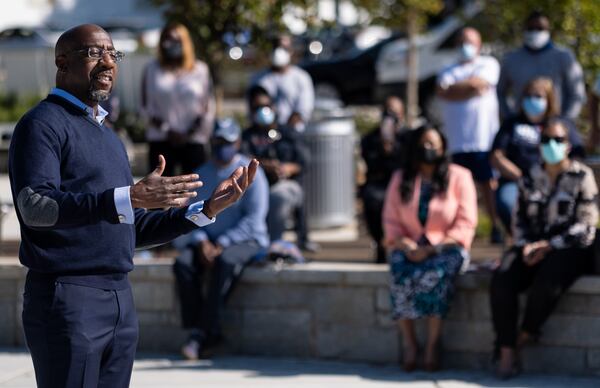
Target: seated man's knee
column 276, row 200
column 184, row 265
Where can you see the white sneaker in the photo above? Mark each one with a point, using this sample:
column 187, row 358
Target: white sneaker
column 191, row 350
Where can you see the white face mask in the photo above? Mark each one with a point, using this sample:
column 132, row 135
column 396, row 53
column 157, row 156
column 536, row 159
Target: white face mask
column 280, row 57
column 536, row 39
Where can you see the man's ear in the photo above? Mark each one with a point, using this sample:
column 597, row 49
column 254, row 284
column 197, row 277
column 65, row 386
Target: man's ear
column 61, row 63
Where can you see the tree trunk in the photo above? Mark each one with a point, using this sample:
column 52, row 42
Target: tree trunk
column 412, row 87
column 218, row 88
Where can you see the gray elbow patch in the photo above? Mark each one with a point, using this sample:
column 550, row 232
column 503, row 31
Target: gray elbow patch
column 37, row 210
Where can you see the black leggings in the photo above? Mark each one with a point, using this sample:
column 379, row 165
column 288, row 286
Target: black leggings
column 547, row 281
column 373, row 197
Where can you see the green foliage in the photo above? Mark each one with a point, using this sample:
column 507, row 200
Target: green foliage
column 209, row 20
column 12, row 106
column 484, row 225
column 131, row 123
column 575, row 24
column 396, row 13
column 365, row 124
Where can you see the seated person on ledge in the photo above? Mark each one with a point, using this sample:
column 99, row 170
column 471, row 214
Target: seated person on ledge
column 382, row 152
column 429, row 220
column 283, row 158
column 554, row 229
column 222, row 249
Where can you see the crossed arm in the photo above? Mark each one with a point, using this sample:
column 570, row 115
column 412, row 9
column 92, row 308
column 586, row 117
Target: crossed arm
column 464, row 90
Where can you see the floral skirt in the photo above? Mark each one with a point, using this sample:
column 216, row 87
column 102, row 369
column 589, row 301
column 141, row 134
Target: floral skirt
column 426, row 288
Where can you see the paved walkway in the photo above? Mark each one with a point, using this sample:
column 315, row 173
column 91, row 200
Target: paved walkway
column 237, row 372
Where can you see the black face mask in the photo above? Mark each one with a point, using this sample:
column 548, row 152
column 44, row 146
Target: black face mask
column 173, row 51
column 428, row 155
column 390, row 115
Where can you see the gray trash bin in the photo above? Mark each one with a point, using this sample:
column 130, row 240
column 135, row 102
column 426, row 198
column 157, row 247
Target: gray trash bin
column 329, row 180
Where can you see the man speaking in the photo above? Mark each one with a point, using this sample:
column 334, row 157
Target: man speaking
column 81, row 217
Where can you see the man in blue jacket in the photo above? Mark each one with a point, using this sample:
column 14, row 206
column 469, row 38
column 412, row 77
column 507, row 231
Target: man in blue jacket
column 221, row 249
column 81, row 217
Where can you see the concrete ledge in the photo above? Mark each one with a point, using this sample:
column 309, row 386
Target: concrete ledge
column 342, row 312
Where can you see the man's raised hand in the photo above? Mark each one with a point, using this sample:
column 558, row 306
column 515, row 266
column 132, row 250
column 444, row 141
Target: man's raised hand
column 156, row 191
column 231, row 189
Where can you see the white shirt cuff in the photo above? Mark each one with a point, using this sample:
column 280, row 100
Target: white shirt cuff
column 194, row 214
column 123, row 205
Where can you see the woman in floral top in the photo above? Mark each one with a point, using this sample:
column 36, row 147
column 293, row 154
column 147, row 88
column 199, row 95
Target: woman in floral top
column 554, row 228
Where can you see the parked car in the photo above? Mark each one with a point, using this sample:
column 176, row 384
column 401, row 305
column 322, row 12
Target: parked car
column 349, row 77
column 367, row 76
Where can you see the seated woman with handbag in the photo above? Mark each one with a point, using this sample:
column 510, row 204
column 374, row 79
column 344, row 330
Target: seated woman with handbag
column 554, row 230
column 429, row 220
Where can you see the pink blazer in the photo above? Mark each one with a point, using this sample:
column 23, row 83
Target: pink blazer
column 451, row 215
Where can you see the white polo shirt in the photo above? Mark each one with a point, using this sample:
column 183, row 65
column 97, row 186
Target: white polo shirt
column 471, row 124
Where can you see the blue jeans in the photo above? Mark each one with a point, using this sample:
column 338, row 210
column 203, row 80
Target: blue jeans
column 506, row 200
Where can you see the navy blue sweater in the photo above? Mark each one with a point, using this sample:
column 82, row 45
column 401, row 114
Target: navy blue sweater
column 63, row 169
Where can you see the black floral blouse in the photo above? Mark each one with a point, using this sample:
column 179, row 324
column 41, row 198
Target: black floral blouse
column 565, row 214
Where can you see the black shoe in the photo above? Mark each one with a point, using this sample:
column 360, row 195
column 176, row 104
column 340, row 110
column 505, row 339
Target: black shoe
column 310, row 246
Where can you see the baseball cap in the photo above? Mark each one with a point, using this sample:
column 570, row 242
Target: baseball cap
column 227, row 129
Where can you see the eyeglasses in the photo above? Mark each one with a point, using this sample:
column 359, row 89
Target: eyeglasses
column 98, row 53
column 559, row 139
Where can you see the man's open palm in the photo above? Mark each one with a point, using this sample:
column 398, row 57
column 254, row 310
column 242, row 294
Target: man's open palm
column 156, row 191
column 231, row 189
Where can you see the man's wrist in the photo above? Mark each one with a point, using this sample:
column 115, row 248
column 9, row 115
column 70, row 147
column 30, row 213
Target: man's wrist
column 206, row 209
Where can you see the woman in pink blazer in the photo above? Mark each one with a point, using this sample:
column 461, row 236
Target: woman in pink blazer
column 429, row 220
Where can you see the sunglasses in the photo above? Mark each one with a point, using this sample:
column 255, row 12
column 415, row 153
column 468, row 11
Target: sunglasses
column 559, row 139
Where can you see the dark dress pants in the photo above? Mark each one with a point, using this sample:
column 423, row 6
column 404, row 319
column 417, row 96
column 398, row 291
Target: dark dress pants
column 545, row 283
column 79, row 336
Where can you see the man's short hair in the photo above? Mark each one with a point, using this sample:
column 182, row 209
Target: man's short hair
column 536, row 14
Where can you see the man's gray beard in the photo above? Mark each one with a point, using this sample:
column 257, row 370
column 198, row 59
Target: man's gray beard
column 99, row 95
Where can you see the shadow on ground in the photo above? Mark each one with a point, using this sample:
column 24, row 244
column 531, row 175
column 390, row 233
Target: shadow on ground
column 261, row 367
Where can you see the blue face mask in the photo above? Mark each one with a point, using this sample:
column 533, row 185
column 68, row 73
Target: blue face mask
column 264, row 116
column 468, row 51
column 554, row 152
column 224, row 153
column 535, row 106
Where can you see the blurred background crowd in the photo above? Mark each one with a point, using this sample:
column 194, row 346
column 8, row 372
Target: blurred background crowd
column 414, row 114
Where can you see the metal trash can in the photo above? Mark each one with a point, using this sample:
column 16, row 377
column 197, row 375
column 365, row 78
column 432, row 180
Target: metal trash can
column 329, row 181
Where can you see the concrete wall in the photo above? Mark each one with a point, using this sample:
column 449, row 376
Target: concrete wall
column 342, row 312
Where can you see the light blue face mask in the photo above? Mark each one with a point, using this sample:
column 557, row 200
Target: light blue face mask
column 554, row 152
column 468, row 51
column 264, row 116
column 535, row 106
